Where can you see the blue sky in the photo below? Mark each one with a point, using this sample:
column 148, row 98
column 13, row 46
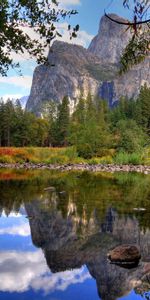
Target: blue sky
column 88, row 17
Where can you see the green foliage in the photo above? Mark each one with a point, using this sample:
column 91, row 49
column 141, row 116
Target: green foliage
column 124, row 158
column 142, row 111
column 138, row 47
column 104, row 189
column 62, row 123
column 93, row 131
column 21, row 128
column 130, row 136
column 135, row 52
column 41, row 16
column 89, row 131
column 107, row 159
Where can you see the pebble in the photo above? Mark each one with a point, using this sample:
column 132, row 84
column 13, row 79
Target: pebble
column 111, row 168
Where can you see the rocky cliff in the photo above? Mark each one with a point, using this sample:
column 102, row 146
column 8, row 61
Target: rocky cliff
column 68, row 73
column 110, row 41
column 73, row 69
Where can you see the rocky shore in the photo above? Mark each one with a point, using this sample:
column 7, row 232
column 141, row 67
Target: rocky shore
column 79, row 167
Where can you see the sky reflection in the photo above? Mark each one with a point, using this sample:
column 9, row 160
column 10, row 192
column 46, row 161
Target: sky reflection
column 22, row 271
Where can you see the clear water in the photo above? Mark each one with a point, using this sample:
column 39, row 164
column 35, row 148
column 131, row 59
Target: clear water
column 57, row 228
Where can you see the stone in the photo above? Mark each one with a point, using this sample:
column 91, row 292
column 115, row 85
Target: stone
column 125, row 254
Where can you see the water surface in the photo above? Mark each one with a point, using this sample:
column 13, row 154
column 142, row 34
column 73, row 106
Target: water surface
column 57, row 228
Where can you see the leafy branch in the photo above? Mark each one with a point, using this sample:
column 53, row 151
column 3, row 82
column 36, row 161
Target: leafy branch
column 39, row 16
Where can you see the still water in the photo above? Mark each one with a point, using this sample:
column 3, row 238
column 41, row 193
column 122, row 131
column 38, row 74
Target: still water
column 57, row 228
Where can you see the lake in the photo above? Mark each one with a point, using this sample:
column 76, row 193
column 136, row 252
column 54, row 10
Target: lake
column 56, row 229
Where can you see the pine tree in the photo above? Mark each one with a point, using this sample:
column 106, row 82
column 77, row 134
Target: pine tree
column 143, row 108
column 8, row 119
column 63, row 122
column 1, row 121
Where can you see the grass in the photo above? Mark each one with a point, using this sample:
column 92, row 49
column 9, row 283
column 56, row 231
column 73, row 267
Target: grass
column 39, row 155
column 49, row 155
column 123, row 158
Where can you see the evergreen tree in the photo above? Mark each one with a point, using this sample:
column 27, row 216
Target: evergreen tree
column 63, row 122
column 8, row 119
column 131, row 138
column 142, row 112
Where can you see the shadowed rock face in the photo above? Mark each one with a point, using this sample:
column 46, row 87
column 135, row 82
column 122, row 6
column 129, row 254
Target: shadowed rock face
column 73, row 69
column 110, row 41
column 108, row 46
column 72, row 241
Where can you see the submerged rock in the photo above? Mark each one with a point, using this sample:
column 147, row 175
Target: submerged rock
column 125, row 255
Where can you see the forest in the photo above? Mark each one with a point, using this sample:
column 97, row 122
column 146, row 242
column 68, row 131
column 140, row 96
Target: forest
column 93, row 128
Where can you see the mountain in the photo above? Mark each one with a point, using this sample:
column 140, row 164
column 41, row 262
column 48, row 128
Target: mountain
column 73, row 69
column 110, row 41
column 23, row 101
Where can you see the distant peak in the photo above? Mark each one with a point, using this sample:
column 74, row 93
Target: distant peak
column 115, row 17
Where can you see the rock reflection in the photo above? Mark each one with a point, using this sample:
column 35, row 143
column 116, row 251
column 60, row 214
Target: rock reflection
column 75, row 240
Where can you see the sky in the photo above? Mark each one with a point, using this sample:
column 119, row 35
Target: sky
column 88, row 17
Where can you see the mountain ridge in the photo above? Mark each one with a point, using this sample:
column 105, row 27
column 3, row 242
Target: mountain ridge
column 73, row 69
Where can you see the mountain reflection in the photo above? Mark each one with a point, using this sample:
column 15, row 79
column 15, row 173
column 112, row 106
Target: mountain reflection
column 77, row 221
column 73, row 241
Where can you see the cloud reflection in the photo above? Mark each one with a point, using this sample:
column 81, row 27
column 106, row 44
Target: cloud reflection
column 21, row 271
column 21, row 229
column 11, row 215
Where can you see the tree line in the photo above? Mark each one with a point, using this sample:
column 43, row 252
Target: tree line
column 93, row 127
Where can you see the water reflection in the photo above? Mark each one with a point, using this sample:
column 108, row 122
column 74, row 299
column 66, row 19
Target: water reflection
column 74, row 221
column 73, row 242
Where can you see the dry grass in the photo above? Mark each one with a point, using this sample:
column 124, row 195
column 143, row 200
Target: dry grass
column 67, row 155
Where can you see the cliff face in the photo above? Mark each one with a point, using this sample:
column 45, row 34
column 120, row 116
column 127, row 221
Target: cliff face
column 110, row 41
column 73, row 69
column 130, row 83
column 68, row 73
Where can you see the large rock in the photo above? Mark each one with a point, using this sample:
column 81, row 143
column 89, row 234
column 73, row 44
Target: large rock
column 125, row 254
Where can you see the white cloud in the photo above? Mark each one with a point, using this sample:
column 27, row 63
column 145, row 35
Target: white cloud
column 83, row 38
column 20, row 81
column 70, row 2
column 20, row 229
column 61, row 281
column 21, row 271
column 11, row 96
column 18, row 269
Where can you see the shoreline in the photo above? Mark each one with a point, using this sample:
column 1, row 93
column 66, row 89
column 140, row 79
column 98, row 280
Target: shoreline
column 110, row 168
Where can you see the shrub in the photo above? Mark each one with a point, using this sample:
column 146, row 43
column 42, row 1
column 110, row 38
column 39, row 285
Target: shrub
column 131, row 136
column 70, row 152
column 128, row 158
column 6, row 159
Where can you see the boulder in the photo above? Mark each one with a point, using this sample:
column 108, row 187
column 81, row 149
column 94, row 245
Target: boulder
column 125, row 255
